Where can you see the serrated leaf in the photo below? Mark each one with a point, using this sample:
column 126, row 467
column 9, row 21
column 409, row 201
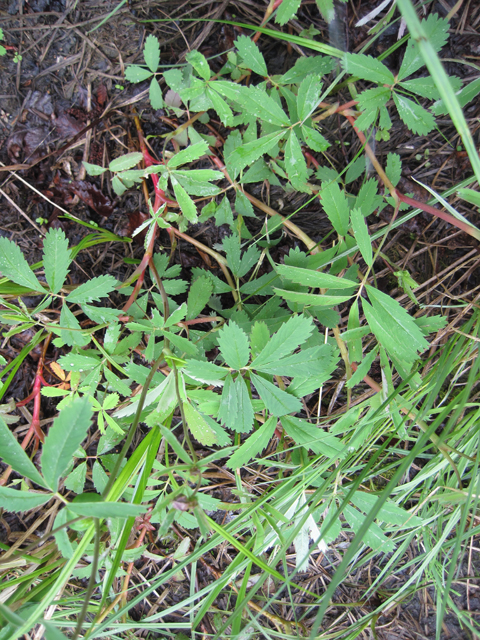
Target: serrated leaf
column 374, row 536
column 93, row 169
column 277, row 402
column 286, row 11
column 437, row 32
column 314, row 139
column 289, row 337
column 233, row 344
column 304, row 66
column 417, row 119
column 363, row 369
column 187, row 205
column 155, row 94
column 134, row 73
column 295, row 164
column 106, row 509
column 101, row 314
column 65, row 436
column 206, row 372
column 246, row 154
column 99, row 477
column 336, row 207
column 151, row 53
column 308, row 96
column 389, row 512
column 228, row 409
column 71, row 331
column 245, row 415
column 367, row 197
column 199, row 63
column 258, row 103
column 360, row 231
column 78, row 362
column 191, row 153
column 466, row 95
column 56, row 259
column 393, row 327
column 251, row 55
column 367, row 68
column 249, row 258
column 125, row 162
column 116, row 383
column 253, row 445
column 393, row 168
column 75, row 480
column 198, row 296
column 471, row 196
column 311, row 298
column 198, row 426
column 221, row 107
column 14, row 266
column 93, row 290
column 313, row 362
column 16, row 501
column 13, row 455
column 311, row 278
column 312, row 437
column 424, row 87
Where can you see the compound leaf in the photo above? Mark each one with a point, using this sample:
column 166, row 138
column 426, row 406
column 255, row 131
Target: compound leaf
column 277, row 402
column 253, row 445
column 14, row 266
column 233, row 344
column 56, row 259
column 199, row 427
column 417, row 119
column 93, row 290
column 13, row 455
column 198, row 296
column 336, row 207
column 15, row 501
column 251, row 55
column 367, row 68
column 151, row 53
column 288, row 338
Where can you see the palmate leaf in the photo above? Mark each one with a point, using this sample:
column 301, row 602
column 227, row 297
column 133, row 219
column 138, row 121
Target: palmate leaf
column 308, row 96
column 14, row 266
column 233, row 344
column 236, row 410
column 309, row 299
column 199, row 63
column 151, row 53
column 389, row 512
column 71, row 331
column 393, row 168
column 246, row 154
column 289, row 337
column 221, row 107
column 197, row 424
column 134, row 73
column 206, row 372
column 191, row 153
column 314, row 139
column 295, row 163
column 13, row 454
column 417, row 119
column 335, row 204
column 251, row 55
column 258, row 103
column 437, row 32
column 311, row 362
column 360, row 231
column 155, row 94
column 187, row 205
column 98, row 509
column 56, row 259
column 374, row 536
column 198, row 296
column 312, row 437
column 311, row 278
column 125, row 162
column 277, row 402
column 65, row 436
column 253, row 445
column 15, row 501
column 196, row 182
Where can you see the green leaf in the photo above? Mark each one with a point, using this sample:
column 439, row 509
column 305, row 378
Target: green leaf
column 289, row 337
column 182, row 344
column 389, row 512
column 311, row 298
column 313, row 362
column 394, row 168
column 134, row 73
column 424, row 87
column 471, row 196
column 286, row 11
column 151, row 53
column 246, row 154
column 253, row 445
column 65, row 436
column 71, row 331
column 367, row 68
column 393, row 327
column 360, row 231
column 198, row 296
column 75, row 480
column 56, row 259
column 312, row 437
column 295, row 164
column 93, row 290
column 221, row 107
column 374, row 536
column 155, row 94
column 126, row 161
column 228, row 409
column 206, row 372
column 308, row 96
column 304, row 66
column 199, row 63
column 14, row 266
column 245, row 415
column 277, row 402
column 311, row 278
column 198, row 426
column 15, row 501
column 13, row 455
column 78, row 362
column 417, row 119
column 314, row 139
column 116, row 383
column 187, row 205
column 251, row 56
column 106, row 509
column 233, row 344
column 335, row 204
column 437, row 31
column 354, row 345
column 190, row 154
column 363, row 369
column 367, row 199
column 94, row 169
column 258, row 103
column 466, row 95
